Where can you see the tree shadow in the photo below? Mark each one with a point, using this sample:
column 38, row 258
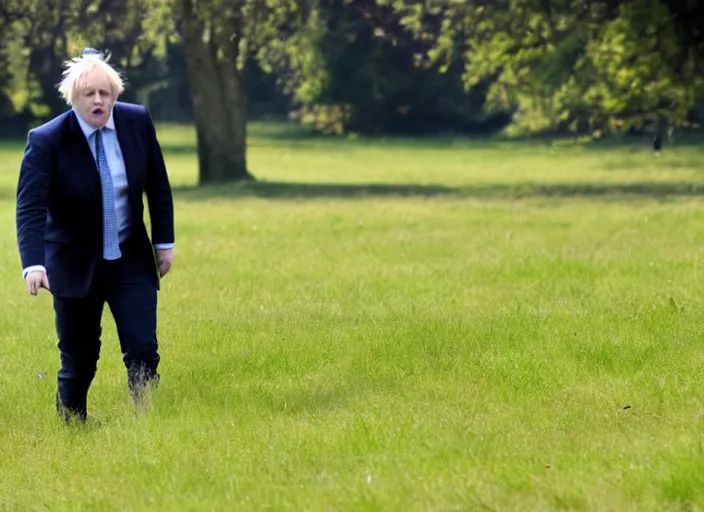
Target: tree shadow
column 278, row 190
column 643, row 189
column 687, row 138
column 185, row 148
column 292, row 190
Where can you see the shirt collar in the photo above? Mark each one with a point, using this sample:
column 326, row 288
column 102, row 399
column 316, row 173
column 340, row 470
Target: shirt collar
column 88, row 130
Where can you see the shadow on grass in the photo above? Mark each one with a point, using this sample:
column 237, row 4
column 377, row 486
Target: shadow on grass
column 183, row 148
column 290, row 190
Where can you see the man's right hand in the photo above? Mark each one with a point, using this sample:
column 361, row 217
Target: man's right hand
column 35, row 281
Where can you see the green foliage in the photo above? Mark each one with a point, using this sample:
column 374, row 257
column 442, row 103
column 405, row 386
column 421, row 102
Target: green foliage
column 634, row 60
column 385, row 65
column 37, row 37
column 358, row 68
column 255, row 28
column 581, row 65
column 13, row 89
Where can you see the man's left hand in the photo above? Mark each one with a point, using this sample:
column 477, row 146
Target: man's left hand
column 165, row 258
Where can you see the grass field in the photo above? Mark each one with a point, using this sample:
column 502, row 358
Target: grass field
column 390, row 325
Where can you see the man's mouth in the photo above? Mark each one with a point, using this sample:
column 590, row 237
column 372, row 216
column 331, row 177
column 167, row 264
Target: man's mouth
column 98, row 112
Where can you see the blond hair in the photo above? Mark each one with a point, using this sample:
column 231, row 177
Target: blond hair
column 78, row 68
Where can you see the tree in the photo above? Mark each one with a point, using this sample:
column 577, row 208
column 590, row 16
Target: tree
column 359, row 72
column 36, row 38
column 218, row 37
column 136, row 33
column 10, row 51
column 591, row 65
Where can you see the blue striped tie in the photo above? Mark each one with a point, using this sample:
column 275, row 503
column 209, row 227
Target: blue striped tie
column 111, row 242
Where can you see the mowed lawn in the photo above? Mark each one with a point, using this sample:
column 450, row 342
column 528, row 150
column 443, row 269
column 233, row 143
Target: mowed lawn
column 390, row 325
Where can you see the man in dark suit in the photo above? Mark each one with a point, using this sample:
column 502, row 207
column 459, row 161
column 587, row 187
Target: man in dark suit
column 80, row 227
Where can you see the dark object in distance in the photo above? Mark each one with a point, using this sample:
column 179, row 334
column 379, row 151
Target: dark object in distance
column 657, row 143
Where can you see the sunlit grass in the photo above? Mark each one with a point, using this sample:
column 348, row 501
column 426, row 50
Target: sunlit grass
column 390, row 325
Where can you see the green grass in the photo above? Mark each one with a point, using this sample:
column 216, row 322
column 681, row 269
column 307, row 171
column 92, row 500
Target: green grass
column 390, row 325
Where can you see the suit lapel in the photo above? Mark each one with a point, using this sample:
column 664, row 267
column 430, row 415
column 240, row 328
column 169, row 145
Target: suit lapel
column 84, row 161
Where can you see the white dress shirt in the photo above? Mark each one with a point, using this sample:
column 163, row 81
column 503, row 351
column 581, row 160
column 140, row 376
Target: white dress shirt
column 116, row 162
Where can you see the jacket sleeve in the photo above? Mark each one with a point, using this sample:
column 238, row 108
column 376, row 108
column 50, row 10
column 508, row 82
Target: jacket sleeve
column 36, row 174
column 158, row 192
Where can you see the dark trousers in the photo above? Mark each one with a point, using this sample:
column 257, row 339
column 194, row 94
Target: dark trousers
column 128, row 287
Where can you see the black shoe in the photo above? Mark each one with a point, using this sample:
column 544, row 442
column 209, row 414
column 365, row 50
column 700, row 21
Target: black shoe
column 71, row 413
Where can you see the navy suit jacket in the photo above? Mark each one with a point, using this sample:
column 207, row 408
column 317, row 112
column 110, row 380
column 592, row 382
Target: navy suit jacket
column 59, row 203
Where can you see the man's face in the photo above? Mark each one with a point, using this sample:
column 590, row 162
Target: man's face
column 94, row 99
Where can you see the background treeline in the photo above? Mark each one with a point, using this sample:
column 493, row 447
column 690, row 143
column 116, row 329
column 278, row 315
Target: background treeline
column 374, row 66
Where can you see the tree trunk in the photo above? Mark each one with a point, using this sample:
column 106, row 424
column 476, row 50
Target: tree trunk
column 219, row 104
column 663, row 129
